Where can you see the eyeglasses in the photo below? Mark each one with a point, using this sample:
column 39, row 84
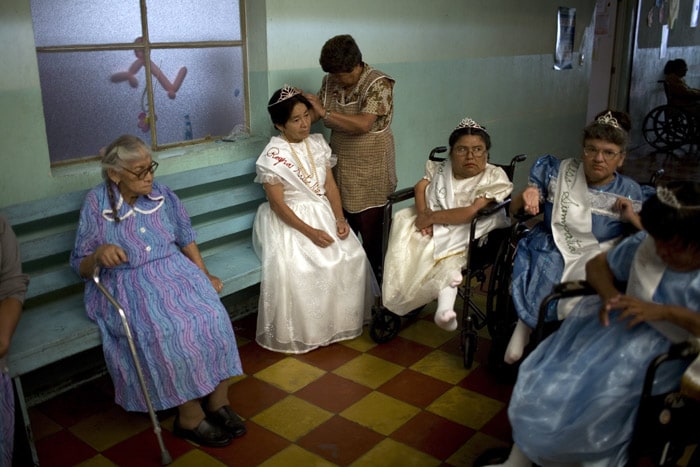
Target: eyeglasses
column 141, row 174
column 592, row 151
column 476, row 151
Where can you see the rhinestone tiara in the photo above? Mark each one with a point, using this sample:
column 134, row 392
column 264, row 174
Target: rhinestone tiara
column 668, row 197
column 286, row 92
column 469, row 123
column 608, row 119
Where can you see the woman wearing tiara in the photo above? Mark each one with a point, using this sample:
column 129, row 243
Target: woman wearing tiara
column 576, row 397
column 586, row 204
column 316, row 285
column 427, row 243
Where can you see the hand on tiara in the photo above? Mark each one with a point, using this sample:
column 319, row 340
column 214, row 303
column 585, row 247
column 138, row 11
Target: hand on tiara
column 286, row 92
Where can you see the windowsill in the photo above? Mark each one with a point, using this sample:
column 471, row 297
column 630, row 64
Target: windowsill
column 181, row 158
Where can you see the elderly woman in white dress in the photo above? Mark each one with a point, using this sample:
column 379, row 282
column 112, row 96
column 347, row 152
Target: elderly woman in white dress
column 316, row 285
column 428, row 242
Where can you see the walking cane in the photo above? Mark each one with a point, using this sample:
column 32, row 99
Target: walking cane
column 164, row 454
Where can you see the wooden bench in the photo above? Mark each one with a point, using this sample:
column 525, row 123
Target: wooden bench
column 221, row 201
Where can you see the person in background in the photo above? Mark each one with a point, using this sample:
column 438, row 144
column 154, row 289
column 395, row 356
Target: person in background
column 356, row 102
column 681, row 95
column 428, row 242
column 316, row 285
column 13, row 287
column 138, row 232
column 577, row 394
column 586, row 204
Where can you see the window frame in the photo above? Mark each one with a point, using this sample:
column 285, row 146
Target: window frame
column 146, row 46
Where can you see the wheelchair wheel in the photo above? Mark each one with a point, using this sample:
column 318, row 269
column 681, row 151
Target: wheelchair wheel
column 384, row 326
column 667, row 127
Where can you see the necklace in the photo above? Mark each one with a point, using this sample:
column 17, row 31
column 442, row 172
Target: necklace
column 306, row 177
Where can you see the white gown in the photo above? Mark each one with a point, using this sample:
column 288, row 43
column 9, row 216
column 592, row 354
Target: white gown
column 413, row 273
column 309, row 296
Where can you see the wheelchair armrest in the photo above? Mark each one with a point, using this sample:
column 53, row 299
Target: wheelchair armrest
column 687, row 350
column 401, row 195
column 562, row 290
column 491, row 208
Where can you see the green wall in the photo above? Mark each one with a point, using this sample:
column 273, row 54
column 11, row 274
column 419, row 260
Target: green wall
column 488, row 59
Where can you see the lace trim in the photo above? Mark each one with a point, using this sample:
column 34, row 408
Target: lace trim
column 601, row 201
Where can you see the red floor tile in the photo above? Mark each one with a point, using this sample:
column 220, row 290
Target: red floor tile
column 414, row 388
column 401, row 351
column 333, row 393
column 329, row 358
column 340, row 441
column 251, row 449
column 77, row 404
column 433, row 435
column 499, row 426
column 63, row 449
column 483, row 381
column 255, row 358
column 143, row 450
column 251, row 395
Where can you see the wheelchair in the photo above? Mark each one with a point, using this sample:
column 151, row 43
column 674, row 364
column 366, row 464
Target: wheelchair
column 669, row 127
column 666, row 424
column 482, row 253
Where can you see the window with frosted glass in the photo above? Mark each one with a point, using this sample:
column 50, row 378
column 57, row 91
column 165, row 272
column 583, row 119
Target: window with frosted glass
column 93, row 61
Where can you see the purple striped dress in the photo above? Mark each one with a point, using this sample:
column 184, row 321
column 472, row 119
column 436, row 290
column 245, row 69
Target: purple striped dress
column 182, row 332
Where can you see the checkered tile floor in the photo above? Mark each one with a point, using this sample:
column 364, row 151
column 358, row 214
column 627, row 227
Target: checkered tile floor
column 408, row 402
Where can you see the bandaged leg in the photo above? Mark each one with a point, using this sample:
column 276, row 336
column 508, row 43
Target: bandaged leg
column 518, row 341
column 515, row 459
column 445, row 316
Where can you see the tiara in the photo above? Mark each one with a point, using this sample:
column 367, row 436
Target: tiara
column 608, row 119
column 286, row 92
column 667, row 197
column 469, row 123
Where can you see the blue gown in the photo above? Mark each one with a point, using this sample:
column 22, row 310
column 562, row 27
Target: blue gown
column 577, row 394
column 538, row 264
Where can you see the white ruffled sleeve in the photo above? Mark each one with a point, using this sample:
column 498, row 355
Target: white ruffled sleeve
column 495, row 185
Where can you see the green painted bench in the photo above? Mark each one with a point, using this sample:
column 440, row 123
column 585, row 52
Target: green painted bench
column 221, row 201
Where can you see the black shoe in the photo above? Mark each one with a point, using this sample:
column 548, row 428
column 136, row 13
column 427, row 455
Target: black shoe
column 492, row 456
column 227, row 419
column 206, row 434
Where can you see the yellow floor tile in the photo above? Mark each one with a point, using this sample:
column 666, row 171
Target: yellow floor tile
column 427, row 333
column 292, row 417
column 293, row 456
column 443, row 366
column 368, row 370
column 477, row 444
column 106, row 429
column 97, row 461
column 466, row 407
column 361, row 343
column 380, row 412
column 198, row 458
column 290, row 374
column 393, row 453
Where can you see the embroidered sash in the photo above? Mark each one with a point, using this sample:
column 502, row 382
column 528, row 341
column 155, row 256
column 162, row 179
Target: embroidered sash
column 453, row 239
column 572, row 227
column 277, row 158
column 645, row 276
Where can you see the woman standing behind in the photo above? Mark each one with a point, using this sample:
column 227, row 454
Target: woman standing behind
column 316, row 280
column 139, row 233
column 586, row 203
